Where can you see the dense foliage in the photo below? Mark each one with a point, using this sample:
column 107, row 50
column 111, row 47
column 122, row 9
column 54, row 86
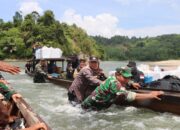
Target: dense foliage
column 18, row 37
column 150, row 49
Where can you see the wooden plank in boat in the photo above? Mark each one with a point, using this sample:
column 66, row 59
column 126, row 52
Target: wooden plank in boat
column 30, row 117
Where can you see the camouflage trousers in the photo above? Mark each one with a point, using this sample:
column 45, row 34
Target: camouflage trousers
column 92, row 104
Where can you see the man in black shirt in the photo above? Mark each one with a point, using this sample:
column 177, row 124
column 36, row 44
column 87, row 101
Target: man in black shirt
column 137, row 75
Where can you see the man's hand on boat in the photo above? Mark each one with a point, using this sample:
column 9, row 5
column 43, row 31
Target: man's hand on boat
column 16, row 96
column 136, row 85
column 9, row 68
column 155, row 94
column 150, row 95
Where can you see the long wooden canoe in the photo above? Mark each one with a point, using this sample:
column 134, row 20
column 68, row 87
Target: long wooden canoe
column 63, row 82
column 21, row 109
column 170, row 101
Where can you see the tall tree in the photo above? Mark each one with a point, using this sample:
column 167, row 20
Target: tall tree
column 17, row 19
column 48, row 18
column 35, row 16
column 27, row 30
column 1, row 23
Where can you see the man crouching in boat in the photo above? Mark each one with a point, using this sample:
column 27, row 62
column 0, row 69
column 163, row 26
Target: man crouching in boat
column 6, row 95
column 9, row 94
column 114, row 87
column 85, row 82
column 5, row 119
column 41, row 71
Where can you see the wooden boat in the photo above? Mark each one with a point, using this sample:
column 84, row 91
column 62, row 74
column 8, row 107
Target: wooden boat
column 170, row 101
column 21, row 109
column 33, row 62
column 62, row 82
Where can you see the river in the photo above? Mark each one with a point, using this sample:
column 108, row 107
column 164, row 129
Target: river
column 50, row 102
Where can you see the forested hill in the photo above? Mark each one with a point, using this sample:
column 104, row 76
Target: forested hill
column 145, row 49
column 19, row 35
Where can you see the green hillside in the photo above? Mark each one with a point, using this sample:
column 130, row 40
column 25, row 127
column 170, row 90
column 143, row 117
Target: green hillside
column 19, row 35
column 144, row 49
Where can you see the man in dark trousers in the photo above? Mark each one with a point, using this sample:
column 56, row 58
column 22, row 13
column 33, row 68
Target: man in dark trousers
column 41, row 72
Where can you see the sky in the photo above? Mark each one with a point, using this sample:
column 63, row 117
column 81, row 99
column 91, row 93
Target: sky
column 106, row 18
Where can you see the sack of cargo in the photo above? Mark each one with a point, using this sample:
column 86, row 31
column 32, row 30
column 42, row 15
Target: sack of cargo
column 167, row 83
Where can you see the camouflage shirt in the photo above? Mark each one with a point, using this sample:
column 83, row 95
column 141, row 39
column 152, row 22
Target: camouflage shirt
column 40, row 74
column 105, row 94
column 6, row 91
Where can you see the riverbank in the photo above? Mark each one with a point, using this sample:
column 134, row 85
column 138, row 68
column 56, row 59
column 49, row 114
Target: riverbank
column 168, row 64
column 14, row 60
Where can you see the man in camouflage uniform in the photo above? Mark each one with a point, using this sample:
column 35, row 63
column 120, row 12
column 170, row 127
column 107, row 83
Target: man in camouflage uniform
column 6, row 93
column 40, row 72
column 105, row 94
column 5, row 118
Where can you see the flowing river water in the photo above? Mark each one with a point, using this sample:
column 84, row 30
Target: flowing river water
column 51, row 103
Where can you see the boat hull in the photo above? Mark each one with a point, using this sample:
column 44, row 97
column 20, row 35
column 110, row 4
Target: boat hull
column 21, row 109
column 62, row 82
column 170, row 101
